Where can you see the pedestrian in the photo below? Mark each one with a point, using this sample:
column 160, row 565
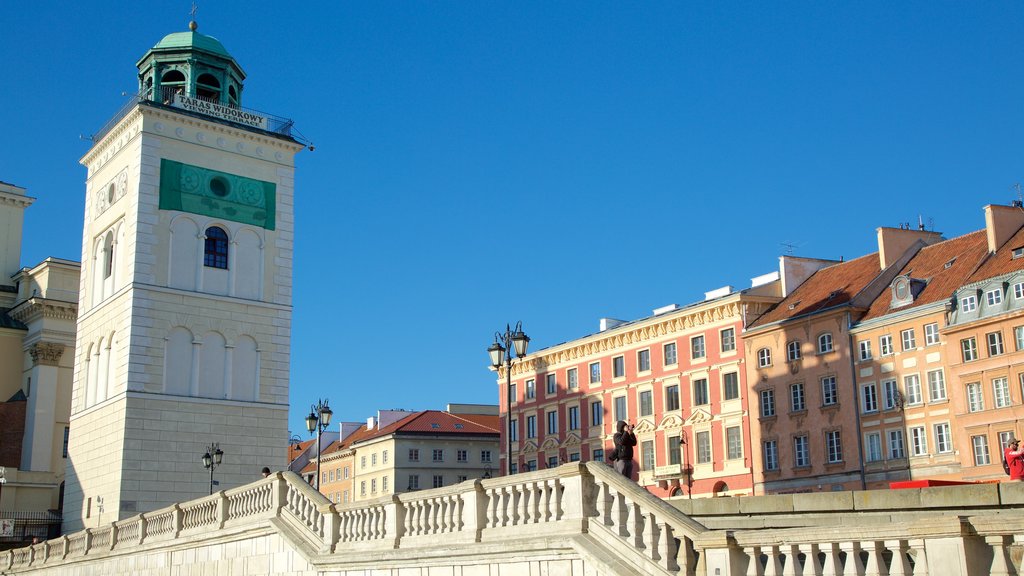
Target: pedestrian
column 266, row 472
column 1014, row 456
column 624, row 440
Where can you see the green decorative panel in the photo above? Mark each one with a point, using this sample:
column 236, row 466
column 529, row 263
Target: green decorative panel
column 217, row 194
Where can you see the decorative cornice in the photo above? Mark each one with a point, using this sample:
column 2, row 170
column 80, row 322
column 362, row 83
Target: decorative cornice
column 16, row 200
column 36, row 308
column 46, row 353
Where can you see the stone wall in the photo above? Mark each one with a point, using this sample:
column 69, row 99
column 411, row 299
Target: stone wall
column 12, row 414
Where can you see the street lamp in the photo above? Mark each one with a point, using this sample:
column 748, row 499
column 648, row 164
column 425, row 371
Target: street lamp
column 211, row 459
column 318, row 420
column 501, row 353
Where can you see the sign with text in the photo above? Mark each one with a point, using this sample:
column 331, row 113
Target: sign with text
column 220, row 111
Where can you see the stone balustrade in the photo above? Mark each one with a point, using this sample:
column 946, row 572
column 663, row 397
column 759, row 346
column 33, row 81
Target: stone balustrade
column 583, row 516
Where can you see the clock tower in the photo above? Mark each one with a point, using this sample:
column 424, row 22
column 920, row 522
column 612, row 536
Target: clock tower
column 185, row 305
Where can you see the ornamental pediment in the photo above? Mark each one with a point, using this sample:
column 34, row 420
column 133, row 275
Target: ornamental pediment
column 699, row 416
column 643, row 426
column 671, row 422
column 530, row 448
column 572, row 439
column 550, row 444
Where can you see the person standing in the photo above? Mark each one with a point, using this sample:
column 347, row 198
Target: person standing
column 624, row 440
column 1014, row 456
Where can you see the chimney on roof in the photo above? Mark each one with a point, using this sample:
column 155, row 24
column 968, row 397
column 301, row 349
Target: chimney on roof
column 347, row 428
column 894, row 242
column 609, row 323
column 1001, row 222
column 370, row 423
column 794, row 270
column 717, row 293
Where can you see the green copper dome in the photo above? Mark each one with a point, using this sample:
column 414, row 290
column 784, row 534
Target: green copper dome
column 192, row 40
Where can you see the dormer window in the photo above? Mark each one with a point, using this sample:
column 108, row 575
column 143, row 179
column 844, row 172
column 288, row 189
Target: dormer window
column 968, row 304
column 1018, row 252
column 949, row 264
column 901, row 292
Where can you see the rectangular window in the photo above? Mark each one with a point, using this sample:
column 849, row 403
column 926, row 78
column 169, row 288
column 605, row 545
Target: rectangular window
column 1001, row 392
column 994, row 297
column 67, row 434
column 384, row 455
column 995, row 343
column 574, row 417
column 918, row 441
column 485, row 456
column 373, row 459
column 596, row 413
column 531, row 465
column 697, row 347
column 801, row 452
column 647, row 452
column 703, row 447
column 968, row 304
column 834, row 443
column 598, row 455
column 700, row 391
column 975, row 398
column 595, row 372
column 1018, row 290
column 672, row 398
column 373, row 486
column 531, row 426
column 931, row 334
column 462, row 455
column 646, row 403
column 829, row 391
column 793, row 351
column 438, row 455
column 734, row 443
column 890, row 394
column 572, row 376
column 574, row 457
column 362, row 488
column 438, row 481
column 771, row 455
column 873, row 447
column 869, row 398
column 896, row 444
column 553, row 422
column 980, row 445
column 514, row 468
column 1004, row 439
column 885, row 345
column 345, row 476
column 912, row 385
column 362, row 462
column 909, row 341
column 618, row 367
column 552, row 461
column 531, row 389
column 674, row 449
column 1018, row 336
column 671, row 359
column 330, row 475
column 462, row 478
column 552, row 384
column 728, row 337
column 936, row 385
column 620, row 408
column 643, row 360
column 767, row 403
column 731, row 385
column 513, row 392
column 865, row 349
column 796, row 397
column 514, row 430
column 943, row 441
column 414, row 453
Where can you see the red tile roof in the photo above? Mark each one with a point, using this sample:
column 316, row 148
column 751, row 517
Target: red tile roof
column 1002, row 262
column 295, row 450
column 963, row 254
column 829, row 287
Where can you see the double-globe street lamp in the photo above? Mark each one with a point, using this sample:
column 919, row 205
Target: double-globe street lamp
column 318, row 420
column 211, row 459
column 501, row 353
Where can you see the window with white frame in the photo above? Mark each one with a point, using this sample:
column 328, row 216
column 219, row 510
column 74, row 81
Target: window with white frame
column 531, row 389
column 793, row 350
column 873, row 447
column 1018, row 290
column 647, row 453
column 968, row 304
column 646, row 403
column 553, row 422
column 643, row 360
column 438, row 455
column 674, row 449
column 619, row 408
column 908, row 339
column 572, row 378
column 514, row 429
column 931, row 334
column 829, row 391
column 574, row 417
column 890, row 394
column 414, row 453
column 438, row 481
column 865, row 349
column 596, row 413
column 936, row 385
column 697, row 347
column 700, row 392
column 703, row 447
column 796, row 397
column 975, row 398
column 362, row 488
column 672, row 398
column 885, row 345
column 979, row 444
column 869, row 398
column 825, row 343
column 764, row 357
column 734, row 443
column 912, row 386
column 1004, row 439
column 727, row 338
column 834, row 446
column 1001, row 392
column 618, row 367
column 995, row 343
column 552, row 384
column 801, row 452
column 730, row 385
column 768, row 403
column 373, row 486
column 1018, row 336
column 771, row 454
column 595, row 372
column 896, row 451
column 531, row 426
column 671, row 357
column 943, row 441
column 485, row 456
column 994, row 297
column 918, row 441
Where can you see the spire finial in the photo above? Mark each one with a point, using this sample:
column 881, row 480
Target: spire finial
column 192, row 24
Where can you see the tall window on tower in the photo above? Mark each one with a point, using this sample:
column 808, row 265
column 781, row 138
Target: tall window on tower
column 171, row 83
column 208, row 88
column 216, row 252
column 108, row 255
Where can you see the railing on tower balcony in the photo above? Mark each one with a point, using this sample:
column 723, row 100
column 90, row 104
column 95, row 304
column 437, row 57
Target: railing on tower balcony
column 175, row 97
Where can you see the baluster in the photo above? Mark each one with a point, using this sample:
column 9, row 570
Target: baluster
column 853, row 565
column 900, row 565
column 832, row 566
column 620, row 513
column 754, row 567
column 527, row 494
column 558, row 490
column 875, row 564
column 1002, row 564
column 490, row 508
column 507, row 510
column 649, row 538
column 460, row 511
column 410, row 511
column 792, row 566
column 604, row 503
column 774, row 565
column 812, row 566
column 667, row 548
column 636, row 525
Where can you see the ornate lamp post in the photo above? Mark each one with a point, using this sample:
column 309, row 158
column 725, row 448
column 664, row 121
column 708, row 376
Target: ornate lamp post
column 318, row 420
column 501, row 353
column 211, row 459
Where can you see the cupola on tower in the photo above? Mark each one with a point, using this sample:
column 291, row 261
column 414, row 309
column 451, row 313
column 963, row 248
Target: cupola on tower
column 185, row 304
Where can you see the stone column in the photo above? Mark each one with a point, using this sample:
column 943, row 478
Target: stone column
column 37, row 444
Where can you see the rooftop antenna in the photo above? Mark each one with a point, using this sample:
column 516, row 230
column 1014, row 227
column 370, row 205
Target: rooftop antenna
column 1019, row 202
column 790, row 246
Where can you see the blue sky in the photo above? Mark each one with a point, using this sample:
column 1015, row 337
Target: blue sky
column 479, row 163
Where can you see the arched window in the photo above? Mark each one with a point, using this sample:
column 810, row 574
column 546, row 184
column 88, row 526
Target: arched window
column 216, row 252
column 825, row 343
column 108, row 255
column 172, row 82
column 232, row 96
column 764, row 357
column 793, row 350
column 208, row 87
